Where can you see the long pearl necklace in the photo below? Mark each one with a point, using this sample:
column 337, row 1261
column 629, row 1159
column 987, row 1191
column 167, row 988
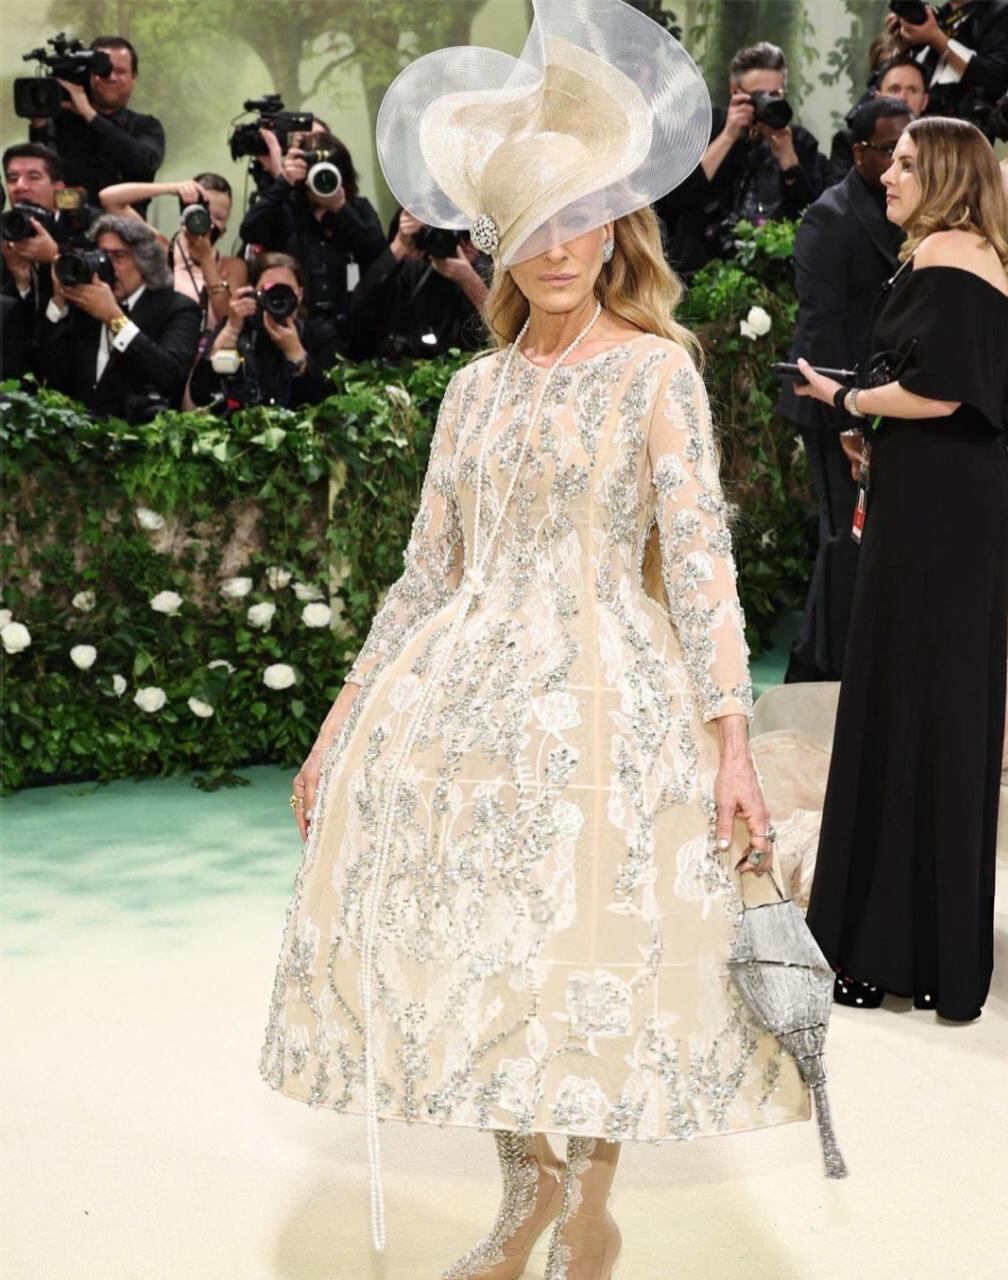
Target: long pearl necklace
column 473, row 585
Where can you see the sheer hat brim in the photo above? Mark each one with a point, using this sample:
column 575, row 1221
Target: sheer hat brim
column 602, row 113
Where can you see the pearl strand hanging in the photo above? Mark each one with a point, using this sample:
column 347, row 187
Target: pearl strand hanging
column 473, row 585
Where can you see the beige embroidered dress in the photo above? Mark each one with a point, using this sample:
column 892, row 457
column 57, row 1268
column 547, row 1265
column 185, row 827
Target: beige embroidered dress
column 514, row 853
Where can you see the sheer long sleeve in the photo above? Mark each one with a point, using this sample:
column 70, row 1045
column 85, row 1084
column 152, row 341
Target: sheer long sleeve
column 433, row 557
column 697, row 565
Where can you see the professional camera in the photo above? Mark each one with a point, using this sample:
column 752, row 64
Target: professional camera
column 16, row 221
column 437, row 242
column 324, row 179
column 912, row 11
column 195, row 218
column 245, row 139
column 77, row 266
column 278, row 302
column 42, row 95
column 770, row 110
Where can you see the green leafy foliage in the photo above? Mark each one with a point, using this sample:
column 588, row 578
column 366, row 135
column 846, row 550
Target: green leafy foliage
column 325, row 495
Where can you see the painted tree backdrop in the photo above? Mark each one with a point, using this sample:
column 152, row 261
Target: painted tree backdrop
column 198, row 61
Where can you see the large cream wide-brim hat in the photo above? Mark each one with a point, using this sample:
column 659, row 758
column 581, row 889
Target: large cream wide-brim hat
column 602, row 113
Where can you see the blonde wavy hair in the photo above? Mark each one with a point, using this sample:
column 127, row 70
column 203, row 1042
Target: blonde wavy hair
column 638, row 285
column 960, row 185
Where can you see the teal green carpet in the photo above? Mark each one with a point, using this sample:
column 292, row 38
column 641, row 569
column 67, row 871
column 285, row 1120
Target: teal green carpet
column 148, row 854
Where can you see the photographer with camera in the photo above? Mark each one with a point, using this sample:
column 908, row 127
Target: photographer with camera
column 314, row 213
column 199, row 269
column 421, row 296
column 844, row 252
column 118, row 337
column 758, row 167
column 44, row 215
column 267, row 351
column 101, row 141
column 962, row 47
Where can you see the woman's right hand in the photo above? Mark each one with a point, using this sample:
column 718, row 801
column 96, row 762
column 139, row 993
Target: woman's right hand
column 306, row 780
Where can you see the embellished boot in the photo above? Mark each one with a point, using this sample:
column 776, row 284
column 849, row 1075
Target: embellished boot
column 585, row 1243
column 533, row 1197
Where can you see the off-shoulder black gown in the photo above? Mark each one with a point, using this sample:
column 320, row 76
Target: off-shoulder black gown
column 903, row 896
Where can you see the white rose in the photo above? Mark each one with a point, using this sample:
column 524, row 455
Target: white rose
column 118, row 685
column 148, row 519
column 277, row 578
column 747, row 331
column 83, row 656
column 84, row 600
column 278, row 676
column 202, row 709
column 261, row 615
column 150, row 698
column 236, row 588
column 166, row 602
column 5, row 617
column 305, row 592
column 15, row 636
column 316, row 615
column 221, row 662
column 759, row 321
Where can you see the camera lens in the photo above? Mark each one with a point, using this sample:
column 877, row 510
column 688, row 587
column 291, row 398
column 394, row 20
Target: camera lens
column 278, row 301
column 77, row 266
column 73, row 268
column 324, row 179
column 770, row 110
column 17, row 225
column 196, row 219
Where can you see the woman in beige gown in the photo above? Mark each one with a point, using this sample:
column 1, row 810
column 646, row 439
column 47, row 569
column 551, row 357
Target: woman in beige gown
column 513, row 912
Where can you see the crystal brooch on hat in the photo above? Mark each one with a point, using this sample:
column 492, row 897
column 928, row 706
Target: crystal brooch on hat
column 484, row 233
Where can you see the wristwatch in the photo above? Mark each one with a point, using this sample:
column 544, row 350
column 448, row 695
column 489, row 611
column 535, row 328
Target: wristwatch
column 117, row 324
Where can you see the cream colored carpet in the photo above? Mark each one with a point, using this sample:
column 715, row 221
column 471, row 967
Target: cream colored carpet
column 141, row 928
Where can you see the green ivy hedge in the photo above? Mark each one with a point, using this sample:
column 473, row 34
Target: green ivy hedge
column 242, row 535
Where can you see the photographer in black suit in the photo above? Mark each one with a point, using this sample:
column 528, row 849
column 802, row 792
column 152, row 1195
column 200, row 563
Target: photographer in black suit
column 122, row 344
column 331, row 230
column 421, row 297
column 33, row 176
column 758, row 166
column 844, row 252
column 963, row 49
column 100, row 140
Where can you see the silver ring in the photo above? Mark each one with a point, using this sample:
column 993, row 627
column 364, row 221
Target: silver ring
column 755, row 857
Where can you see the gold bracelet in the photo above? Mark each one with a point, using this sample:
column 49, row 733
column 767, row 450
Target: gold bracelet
column 223, row 287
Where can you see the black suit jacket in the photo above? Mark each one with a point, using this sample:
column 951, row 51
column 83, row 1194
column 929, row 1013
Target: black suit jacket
column 984, row 27
column 158, row 359
column 122, row 147
column 845, row 249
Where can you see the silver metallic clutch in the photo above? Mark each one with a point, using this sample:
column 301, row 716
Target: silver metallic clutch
column 787, row 985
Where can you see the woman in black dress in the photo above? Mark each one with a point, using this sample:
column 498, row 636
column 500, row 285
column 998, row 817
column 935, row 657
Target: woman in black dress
column 903, row 897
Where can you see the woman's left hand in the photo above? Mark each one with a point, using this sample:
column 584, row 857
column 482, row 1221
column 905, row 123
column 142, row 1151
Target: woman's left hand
column 815, row 385
column 738, row 794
